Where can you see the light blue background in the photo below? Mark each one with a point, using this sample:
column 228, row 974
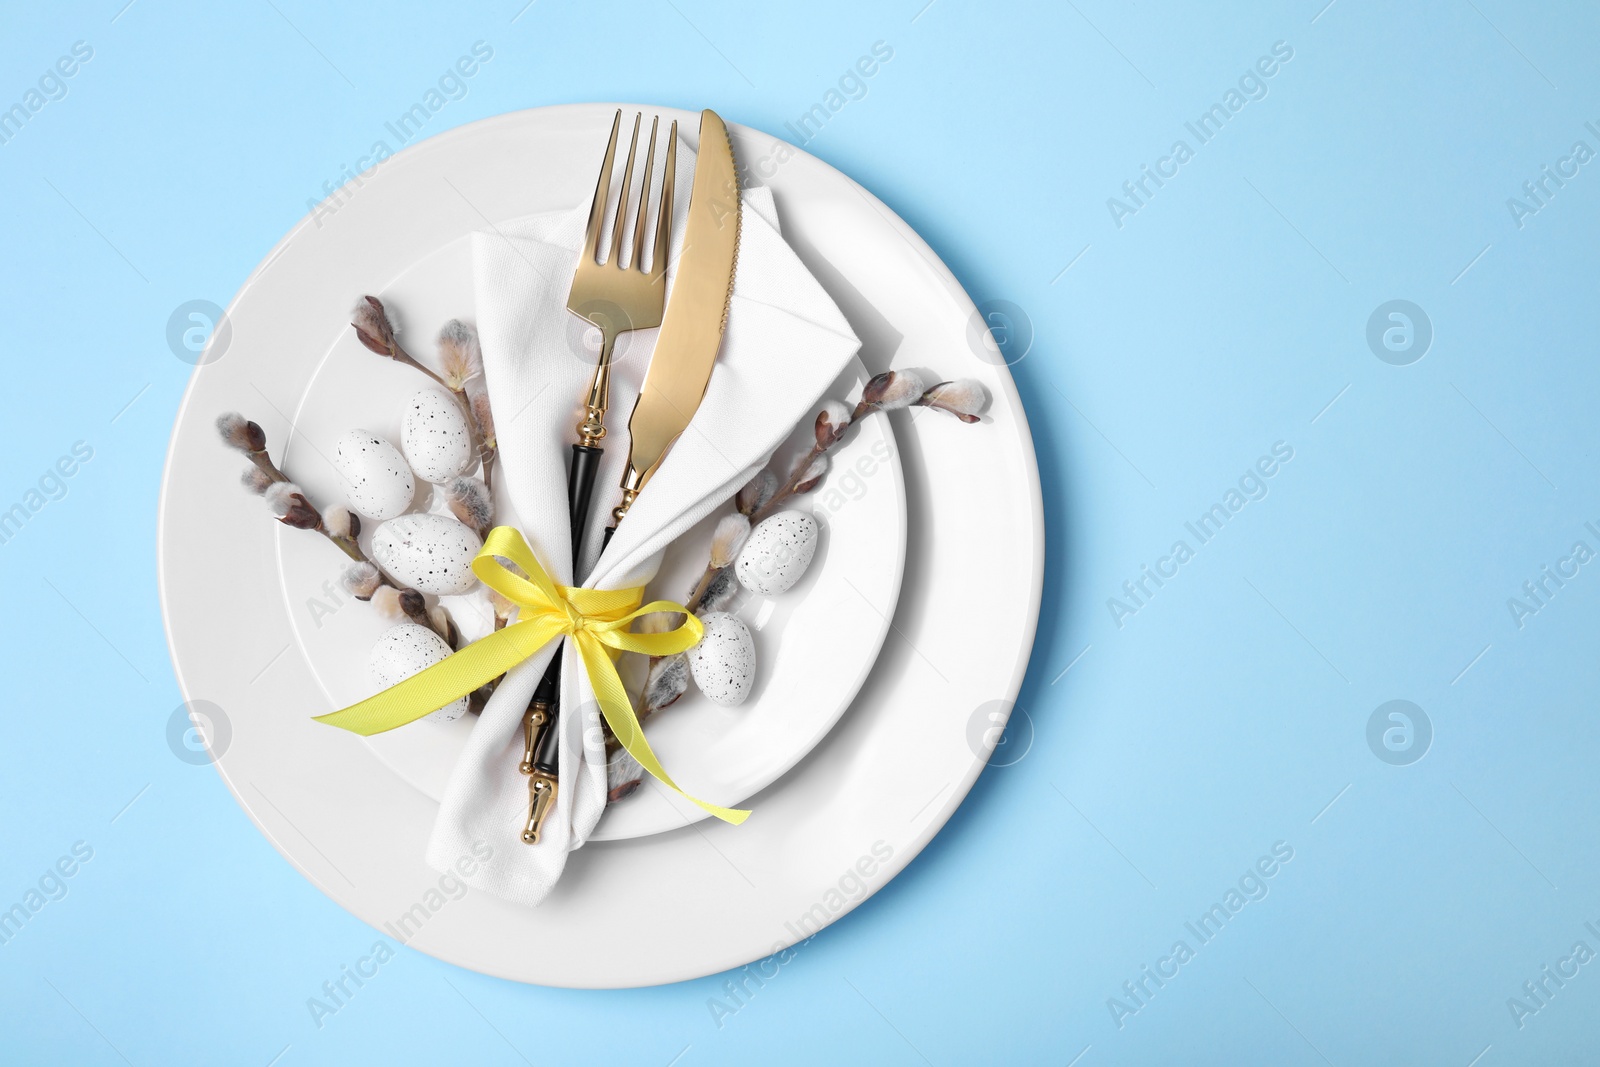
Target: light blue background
column 1230, row 713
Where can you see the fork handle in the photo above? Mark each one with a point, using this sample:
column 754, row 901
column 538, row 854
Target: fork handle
column 580, row 494
column 592, row 430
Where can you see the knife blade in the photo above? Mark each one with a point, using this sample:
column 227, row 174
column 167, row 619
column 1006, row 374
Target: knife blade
column 696, row 313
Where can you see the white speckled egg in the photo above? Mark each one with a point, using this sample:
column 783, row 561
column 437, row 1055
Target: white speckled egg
column 723, row 664
column 404, row 650
column 434, row 436
column 377, row 481
column 430, row 553
column 777, row 553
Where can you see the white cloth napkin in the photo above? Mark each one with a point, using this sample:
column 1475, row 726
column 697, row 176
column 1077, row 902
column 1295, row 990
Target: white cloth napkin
column 785, row 343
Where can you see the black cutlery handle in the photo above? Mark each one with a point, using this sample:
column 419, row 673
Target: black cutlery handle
column 547, row 749
column 580, row 492
column 548, row 693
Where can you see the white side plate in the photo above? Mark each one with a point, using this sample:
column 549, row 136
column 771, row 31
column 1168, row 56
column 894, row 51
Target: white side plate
column 728, row 753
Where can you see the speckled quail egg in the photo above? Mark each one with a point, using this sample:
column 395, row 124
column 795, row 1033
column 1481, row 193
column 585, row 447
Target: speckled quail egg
column 377, row 482
column 723, row 664
column 430, row 553
column 435, row 437
column 777, row 553
column 405, row 650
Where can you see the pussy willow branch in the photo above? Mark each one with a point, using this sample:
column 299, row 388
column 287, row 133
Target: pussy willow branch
column 488, row 442
column 248, row 437
column 377, row 332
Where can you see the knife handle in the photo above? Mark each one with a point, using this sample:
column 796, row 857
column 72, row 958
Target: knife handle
column 632, row 484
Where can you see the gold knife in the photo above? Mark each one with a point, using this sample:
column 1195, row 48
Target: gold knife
column 697, row 311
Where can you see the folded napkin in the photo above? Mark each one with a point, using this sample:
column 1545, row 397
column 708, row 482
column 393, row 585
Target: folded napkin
column 784, row 344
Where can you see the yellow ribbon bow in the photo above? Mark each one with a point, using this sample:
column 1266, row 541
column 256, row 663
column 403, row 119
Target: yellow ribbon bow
column 597, row 620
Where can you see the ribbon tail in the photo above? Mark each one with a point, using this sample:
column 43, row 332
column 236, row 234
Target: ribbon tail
column 618, row 711
column 682, row 639
column 446, row 681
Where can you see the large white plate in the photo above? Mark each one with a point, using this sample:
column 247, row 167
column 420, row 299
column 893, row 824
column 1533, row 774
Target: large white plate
column 722, row 754
column 828, row 834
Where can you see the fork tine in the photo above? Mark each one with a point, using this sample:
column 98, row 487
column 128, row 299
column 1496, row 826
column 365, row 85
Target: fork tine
column 621, row 225
column 602, row 190
column 658, row 261
column 644, row 198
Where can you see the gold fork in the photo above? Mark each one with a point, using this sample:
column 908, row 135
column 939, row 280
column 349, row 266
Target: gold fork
column 613, row 297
